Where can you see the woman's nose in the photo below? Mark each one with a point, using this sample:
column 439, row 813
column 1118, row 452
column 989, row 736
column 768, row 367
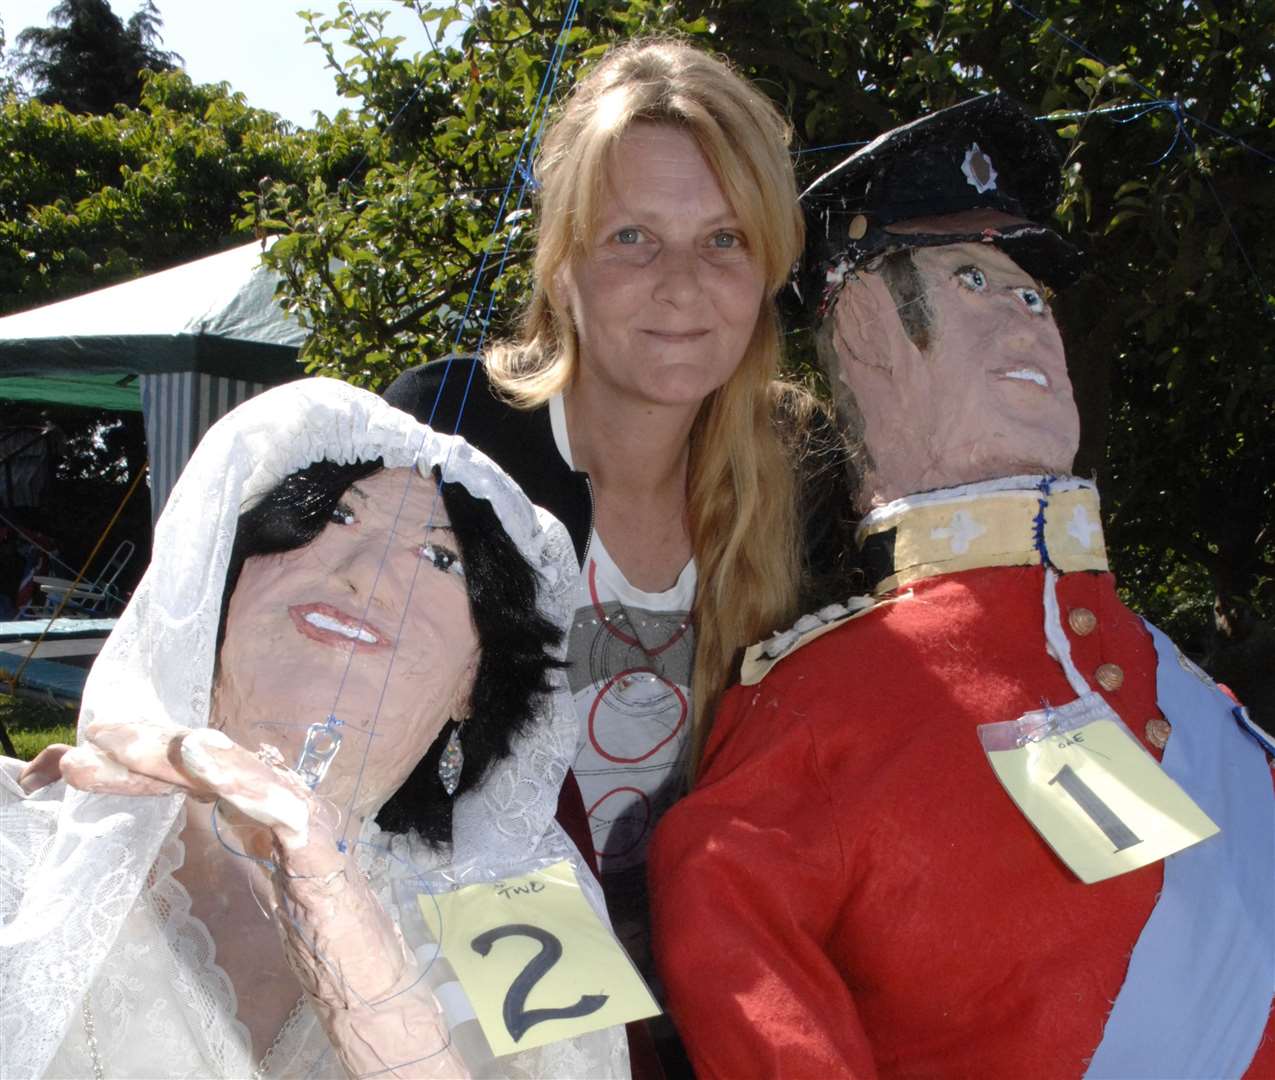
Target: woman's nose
column 678, row 269
column 367, row 566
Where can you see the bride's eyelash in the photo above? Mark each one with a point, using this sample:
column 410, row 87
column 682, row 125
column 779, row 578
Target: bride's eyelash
column 443, row 558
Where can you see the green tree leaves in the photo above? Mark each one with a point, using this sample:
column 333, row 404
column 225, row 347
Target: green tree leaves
column 89, row 200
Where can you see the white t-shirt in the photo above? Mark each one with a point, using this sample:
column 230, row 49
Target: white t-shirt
column 631, row 654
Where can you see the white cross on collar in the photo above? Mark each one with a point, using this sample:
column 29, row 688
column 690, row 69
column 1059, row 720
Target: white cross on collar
column 1081, row 528
column 960, row 532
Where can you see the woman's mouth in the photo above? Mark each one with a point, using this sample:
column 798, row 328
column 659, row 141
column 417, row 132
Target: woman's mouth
column 332, row 626
column 677, row 337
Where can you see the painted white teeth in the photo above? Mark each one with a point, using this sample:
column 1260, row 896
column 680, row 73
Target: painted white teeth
column 326, row 622
column 1028, row 375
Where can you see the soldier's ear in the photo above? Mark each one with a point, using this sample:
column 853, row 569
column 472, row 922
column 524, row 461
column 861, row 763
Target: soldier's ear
column 866, row 327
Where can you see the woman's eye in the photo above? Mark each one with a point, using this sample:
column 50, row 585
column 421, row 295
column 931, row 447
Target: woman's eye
column 1034, row 301
column 726, row 241
column 628, row 236
column 343, row 515
column 972, row 278
column 442, row 558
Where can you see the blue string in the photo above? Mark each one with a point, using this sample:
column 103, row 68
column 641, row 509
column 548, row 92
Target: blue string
column 310, row 944
column 1208, row 181
column 414, row 1061
column 1077, row 45
column 1180, row 134
column 831, row 146
column 1233, row 138
column 1048, row 24
column 1080, row 114
column 521, row 168
column 547, row 85
column 525, row 170
column 419, row 877
column 267, row 863
column 398, row 633
column 550, row 78
column 416, row 91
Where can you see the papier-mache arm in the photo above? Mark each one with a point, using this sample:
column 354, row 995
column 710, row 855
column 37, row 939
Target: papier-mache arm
column 739, row 895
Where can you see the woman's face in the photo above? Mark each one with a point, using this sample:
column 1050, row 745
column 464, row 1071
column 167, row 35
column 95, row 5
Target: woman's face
column 373, row 612
column 667, row 295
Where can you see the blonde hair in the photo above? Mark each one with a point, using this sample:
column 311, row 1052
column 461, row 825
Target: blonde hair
column 740, row 489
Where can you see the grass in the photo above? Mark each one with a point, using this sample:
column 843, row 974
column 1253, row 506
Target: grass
column 32, row 725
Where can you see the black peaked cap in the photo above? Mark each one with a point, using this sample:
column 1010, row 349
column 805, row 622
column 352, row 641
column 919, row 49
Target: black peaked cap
column 985, row 153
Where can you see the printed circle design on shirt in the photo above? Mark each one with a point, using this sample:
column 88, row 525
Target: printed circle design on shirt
column 609, row 625
column 641, row 694
column 624, row 832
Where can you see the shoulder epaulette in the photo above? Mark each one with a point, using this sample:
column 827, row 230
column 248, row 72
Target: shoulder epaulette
column 760, row 658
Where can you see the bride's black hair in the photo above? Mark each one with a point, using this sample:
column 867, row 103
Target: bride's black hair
column 515, row 640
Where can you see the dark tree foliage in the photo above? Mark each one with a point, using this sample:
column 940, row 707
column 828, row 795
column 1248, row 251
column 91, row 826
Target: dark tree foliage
column 1169, row 335
column 88, row 60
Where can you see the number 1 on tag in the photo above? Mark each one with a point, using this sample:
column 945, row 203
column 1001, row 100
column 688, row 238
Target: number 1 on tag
column 1100, row 800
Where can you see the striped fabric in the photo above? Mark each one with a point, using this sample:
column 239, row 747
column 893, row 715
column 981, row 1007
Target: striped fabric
column 178, row 408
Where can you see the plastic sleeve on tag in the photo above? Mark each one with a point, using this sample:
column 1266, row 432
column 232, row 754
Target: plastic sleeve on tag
column 455, row 1003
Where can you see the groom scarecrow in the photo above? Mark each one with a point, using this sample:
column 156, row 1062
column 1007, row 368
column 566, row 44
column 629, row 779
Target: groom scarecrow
column 986, row 822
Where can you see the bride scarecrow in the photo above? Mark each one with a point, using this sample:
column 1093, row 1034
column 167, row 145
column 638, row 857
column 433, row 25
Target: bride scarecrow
column 340, row 674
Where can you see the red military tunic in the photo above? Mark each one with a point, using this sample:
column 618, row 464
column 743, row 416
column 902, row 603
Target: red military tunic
column 849, row 891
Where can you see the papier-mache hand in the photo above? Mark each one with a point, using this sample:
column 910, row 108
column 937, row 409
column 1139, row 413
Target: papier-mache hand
column 346, row 951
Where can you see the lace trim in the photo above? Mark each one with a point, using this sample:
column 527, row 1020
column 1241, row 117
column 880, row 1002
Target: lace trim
column 199, row 980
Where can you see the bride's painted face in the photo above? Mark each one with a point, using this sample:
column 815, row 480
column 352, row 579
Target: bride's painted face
column 370, row 622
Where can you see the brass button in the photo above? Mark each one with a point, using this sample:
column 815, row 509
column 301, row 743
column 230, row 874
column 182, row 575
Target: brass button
column 858, row 227
column 1082, row 621
column 1158, row 732
column 1110, row 676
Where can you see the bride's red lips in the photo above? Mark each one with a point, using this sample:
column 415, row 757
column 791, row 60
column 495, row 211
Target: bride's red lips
column 333, row 635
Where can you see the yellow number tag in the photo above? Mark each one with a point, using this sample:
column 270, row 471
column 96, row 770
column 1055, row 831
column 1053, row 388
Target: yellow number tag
column 537, row 963
column 1099, row 800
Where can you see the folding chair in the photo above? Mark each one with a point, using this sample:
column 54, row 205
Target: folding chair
column 87, row 597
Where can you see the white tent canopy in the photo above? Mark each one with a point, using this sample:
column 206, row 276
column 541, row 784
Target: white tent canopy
column 216, row 315
column 203, row 337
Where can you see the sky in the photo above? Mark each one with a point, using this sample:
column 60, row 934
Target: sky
column 257, row 46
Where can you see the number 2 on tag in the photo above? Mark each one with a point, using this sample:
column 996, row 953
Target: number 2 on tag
column 516, row 1016
column 535, row 961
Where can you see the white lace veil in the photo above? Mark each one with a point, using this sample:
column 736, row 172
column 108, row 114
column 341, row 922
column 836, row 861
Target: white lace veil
column 158, row 666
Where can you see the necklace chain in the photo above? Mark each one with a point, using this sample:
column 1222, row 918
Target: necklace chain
column 264, row 1064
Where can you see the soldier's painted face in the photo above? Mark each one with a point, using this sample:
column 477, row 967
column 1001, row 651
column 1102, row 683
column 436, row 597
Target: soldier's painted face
column 986, row 395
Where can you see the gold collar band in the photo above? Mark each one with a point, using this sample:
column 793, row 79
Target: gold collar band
column 1015, row 521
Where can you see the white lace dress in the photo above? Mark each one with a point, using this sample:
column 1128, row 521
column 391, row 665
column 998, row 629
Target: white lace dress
column 161, row 1005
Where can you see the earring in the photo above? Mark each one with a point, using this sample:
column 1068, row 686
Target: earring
column 451, row 762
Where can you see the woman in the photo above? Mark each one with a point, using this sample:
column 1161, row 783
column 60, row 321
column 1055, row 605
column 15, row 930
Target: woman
column 362, row 609
column 638, row 406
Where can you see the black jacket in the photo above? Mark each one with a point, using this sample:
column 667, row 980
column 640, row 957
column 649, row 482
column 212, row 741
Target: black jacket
column 518, row 440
